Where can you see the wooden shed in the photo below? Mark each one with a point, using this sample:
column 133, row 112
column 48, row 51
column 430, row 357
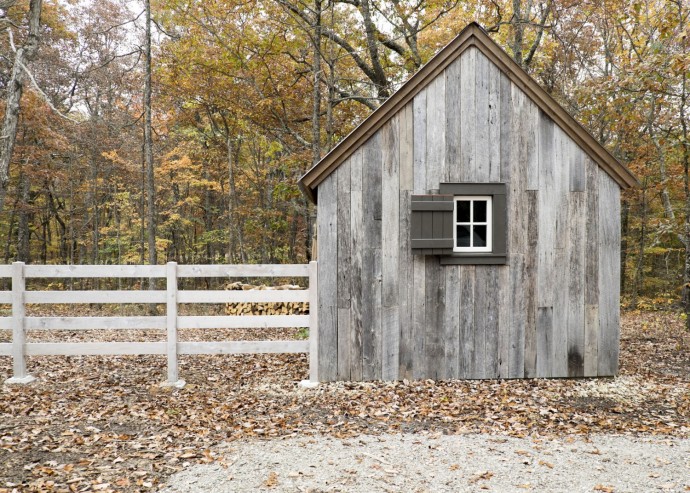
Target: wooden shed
column 469, row 228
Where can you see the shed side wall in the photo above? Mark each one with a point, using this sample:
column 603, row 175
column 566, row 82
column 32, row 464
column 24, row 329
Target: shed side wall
column 552, row 311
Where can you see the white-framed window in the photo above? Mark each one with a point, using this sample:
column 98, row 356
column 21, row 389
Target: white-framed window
column 472, row 223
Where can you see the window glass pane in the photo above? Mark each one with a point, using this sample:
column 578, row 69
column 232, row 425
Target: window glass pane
column 463, row 236
column 480, row 211
column 479, row 236
column 463, row 211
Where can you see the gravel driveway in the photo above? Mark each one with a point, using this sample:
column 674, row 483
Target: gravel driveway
column 446, row 463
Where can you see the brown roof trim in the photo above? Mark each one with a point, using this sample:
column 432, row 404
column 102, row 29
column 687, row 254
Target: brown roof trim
column 472, row 35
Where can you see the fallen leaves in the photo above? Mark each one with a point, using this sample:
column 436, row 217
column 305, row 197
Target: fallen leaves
column 98, row 421
column 271, row 481
column 486, row 475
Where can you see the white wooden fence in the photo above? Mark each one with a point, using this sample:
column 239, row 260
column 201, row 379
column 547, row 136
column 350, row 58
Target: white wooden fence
column 19, row 323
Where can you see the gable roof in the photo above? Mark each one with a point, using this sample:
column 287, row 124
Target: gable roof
column 472, row 35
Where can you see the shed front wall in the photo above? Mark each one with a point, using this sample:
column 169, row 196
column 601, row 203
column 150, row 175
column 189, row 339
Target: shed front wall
column 551, row 311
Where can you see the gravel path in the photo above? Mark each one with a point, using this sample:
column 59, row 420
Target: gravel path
column 457, row 463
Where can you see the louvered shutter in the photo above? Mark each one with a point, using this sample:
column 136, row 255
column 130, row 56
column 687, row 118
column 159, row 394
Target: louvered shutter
column 431, row 231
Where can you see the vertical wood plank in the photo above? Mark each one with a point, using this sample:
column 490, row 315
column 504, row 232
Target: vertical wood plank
column 419, row 327
column 356, row 171
column 406, row 139
column 531, row 291
column 544, row 341
column 561, row 245
column 371, row 314
column 466, row 327
column 389, row 250
column 532, row 143
column 171, row 322
column 481, row 135
column 576, row 285
column 495, row 141
column 514, row 172
column 505, row 318
column 327, row 224
column 609, row 275
column 436, row 133
column 405, row 288
column 486, row 322
column 451, row 321
column 516, row 163
column 468, row 116
column 419, row 140
column 577, row 169
column 512, row 311
column 453, row 126
column 478, row 369
column 356, row 327
column 592, row 270
column 435, row 307
column 357, row 245
column 517, row 336
column 546, row 268
column 344, row 269
column 372, row 168
column 372, row 186
column 506, row 123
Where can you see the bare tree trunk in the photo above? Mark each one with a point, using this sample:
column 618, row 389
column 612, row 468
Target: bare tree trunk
column 316, row 123
column 381, row 80
column 686, row 183
column 208, row 220
column 639, row 269
column 663, row 174
column 148, row 144
column 236, row 240
column 142, row 212
column 316, row 107
column 72, row 232
column 331, row 87
column 10, row 233
column 15, row 86
column 23, row 222
column 518, row 31
column 522, row 16
column 95, row 210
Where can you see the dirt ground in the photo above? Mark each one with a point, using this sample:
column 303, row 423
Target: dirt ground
column 104, row 423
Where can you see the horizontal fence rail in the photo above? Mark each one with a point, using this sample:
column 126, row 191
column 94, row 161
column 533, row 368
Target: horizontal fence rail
column 19, row 323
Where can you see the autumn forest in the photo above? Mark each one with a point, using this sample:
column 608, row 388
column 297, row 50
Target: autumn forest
column 158, row 130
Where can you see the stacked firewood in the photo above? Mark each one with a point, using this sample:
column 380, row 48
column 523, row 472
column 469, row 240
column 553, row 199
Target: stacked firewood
column 265, row 308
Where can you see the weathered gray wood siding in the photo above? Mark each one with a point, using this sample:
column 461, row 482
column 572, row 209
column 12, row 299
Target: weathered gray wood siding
column 552, row 311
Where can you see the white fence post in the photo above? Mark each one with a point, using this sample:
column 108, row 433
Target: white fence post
column 171, row 325
column 18, row 326
column 313, row 322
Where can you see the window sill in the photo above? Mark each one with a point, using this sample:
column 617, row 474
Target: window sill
column 474, row 259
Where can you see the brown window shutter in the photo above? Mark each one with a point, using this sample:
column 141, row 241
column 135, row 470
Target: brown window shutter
column 431, row 231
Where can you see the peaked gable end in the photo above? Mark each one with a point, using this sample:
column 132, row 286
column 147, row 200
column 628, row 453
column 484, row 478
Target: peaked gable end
column 472, row 36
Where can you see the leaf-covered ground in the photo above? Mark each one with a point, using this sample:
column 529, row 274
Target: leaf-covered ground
column 104, row 424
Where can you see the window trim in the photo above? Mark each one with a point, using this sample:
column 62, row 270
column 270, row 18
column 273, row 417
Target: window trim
column 498, row 255
column 488, row 223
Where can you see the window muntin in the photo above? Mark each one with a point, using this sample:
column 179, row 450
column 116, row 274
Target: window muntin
column 472, row 224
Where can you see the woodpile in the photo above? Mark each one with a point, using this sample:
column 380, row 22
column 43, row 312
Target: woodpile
column 265, row 308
